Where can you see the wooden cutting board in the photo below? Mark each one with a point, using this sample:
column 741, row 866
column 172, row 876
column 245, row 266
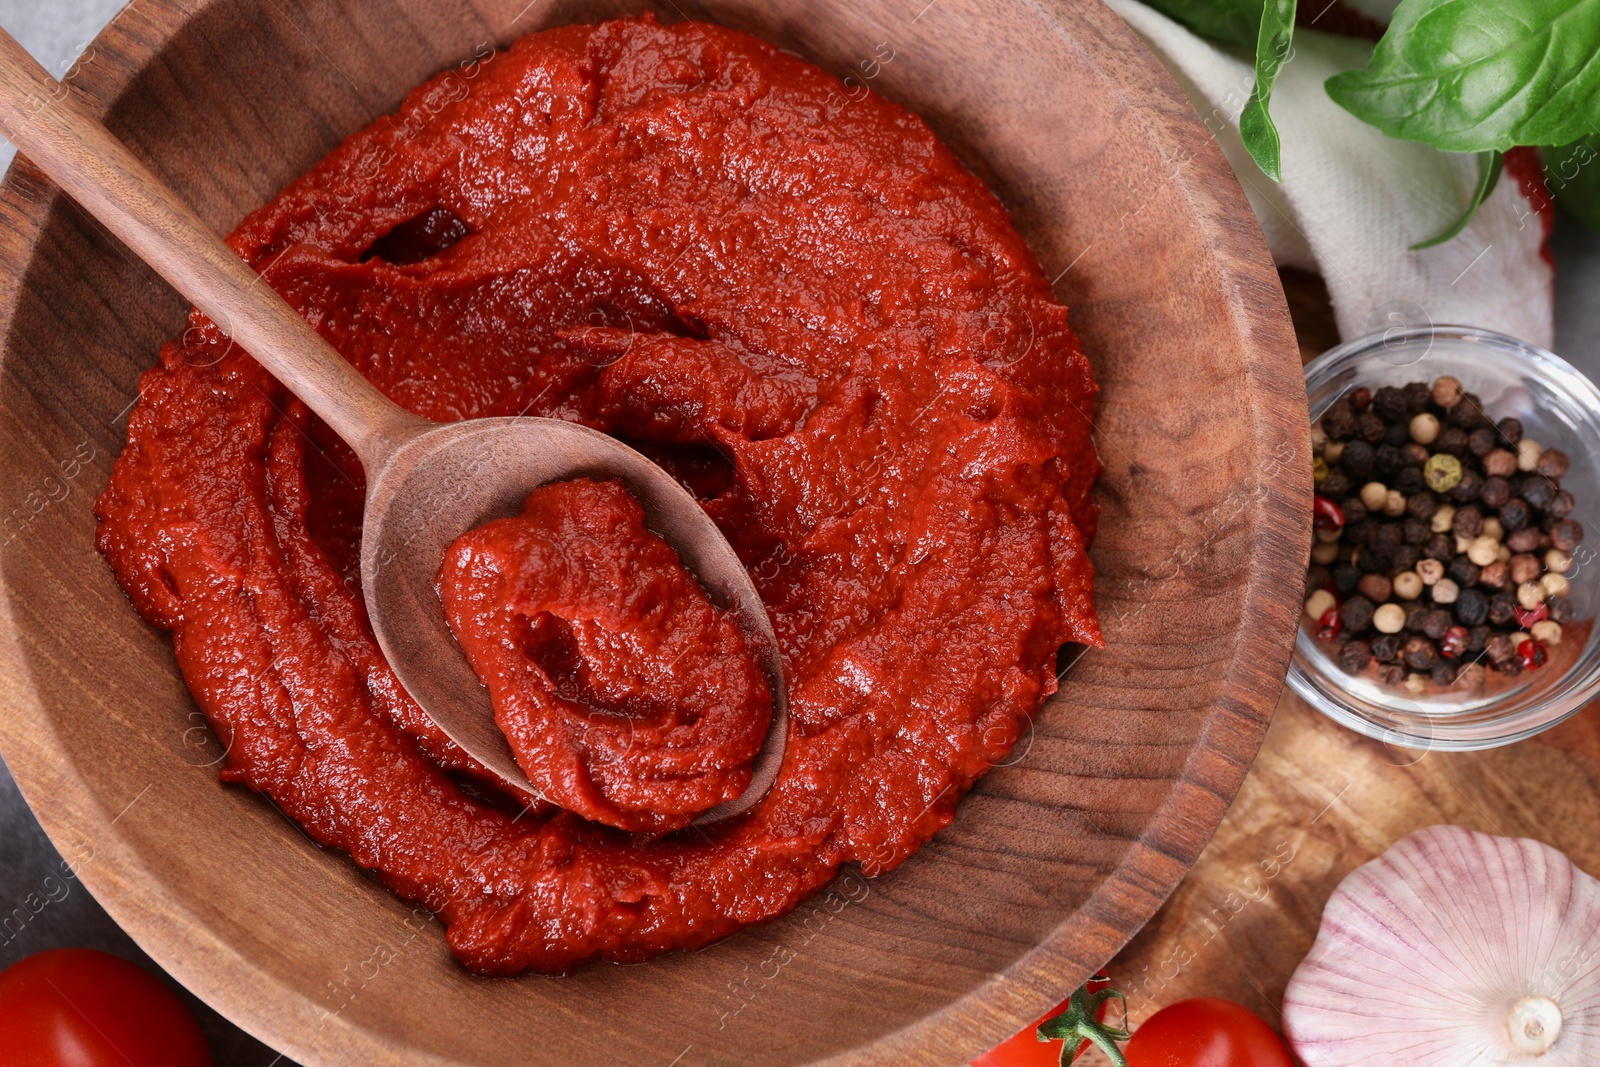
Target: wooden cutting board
column 1322, row 800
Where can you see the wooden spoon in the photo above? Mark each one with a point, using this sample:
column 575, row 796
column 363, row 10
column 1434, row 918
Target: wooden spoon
column 427, row 482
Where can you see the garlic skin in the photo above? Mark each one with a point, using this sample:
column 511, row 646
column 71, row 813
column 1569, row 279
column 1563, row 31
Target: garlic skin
column 1453, row 949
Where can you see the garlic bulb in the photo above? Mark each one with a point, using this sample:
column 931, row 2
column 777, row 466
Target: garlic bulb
column 1453, row 949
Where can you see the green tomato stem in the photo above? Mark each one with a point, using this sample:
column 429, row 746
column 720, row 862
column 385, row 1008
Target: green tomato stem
column 1080, row 1021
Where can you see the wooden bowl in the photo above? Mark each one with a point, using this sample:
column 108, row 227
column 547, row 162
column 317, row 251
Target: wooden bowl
column 1055, row 859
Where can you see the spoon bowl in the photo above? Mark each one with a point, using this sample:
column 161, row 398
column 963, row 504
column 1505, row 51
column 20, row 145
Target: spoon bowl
column 441, row 480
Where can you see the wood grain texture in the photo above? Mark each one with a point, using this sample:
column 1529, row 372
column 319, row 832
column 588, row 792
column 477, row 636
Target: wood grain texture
column 1320, row 802
column 1054, row 860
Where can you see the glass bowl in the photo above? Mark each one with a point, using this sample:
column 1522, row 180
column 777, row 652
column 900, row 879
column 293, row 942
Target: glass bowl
column 1558, row 407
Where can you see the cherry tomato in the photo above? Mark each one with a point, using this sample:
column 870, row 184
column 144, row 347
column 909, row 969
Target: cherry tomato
column 1206, row 1032
column 74, row 1007
column 1024, row 1049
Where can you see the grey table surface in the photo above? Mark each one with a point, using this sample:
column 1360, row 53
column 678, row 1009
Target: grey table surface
column 56, row 31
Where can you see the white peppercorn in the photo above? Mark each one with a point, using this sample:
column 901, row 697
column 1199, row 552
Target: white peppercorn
column 1530, row 595
column 1389, row 619
column 1446, row 591
column 1483, row 550
column 1407, row 585
column 1528, row 453
column 1424, row 428
column 1319, row 604
column 1547, row 632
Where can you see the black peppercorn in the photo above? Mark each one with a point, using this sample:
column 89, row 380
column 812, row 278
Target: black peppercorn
column 1391, row 674
column 1510, row 430
column 1418, row 396
column 1472, row 607
column 1553, row 463
column 1335, row 485
column 1468, row 488
column 1388, row 538
column 1413, row 454
column 1502, row 608
column 1468, row 522
column 1355, row 656
column 1416, row 614
column 1371, row 561
column 1514, row 514
column 1369, row 427
column 1443, row 673
column 1477, row 637
column 1416, row 531
column 1405, row 558
column 1538, row 492
column 1340, row 422
column 1421, row 506
column 1437, row 622
column 1408, row 480
column 1463, row 572
column 1560, row 607
column 1354, row 510
column 1499, row 648
column 1526, row 539
column 1440, row 547
column 1386, row 647
column 1468, row 413
column 1396, row 434
column 1451, row 440
column 1495, row 492
column 1419, row 653
column 1566, row 535
column 1561, row 504
column 1385, row 459
column 1357, row 459
column 1356, row 614
column 1345, row 579
column 1482, row 441
column 1389, row 404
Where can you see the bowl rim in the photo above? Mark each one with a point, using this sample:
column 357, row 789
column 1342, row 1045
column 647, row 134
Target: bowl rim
column 1150, row 867
column 1321, row 690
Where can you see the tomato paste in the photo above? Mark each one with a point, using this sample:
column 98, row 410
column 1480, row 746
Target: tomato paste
column 791, row 296
column 627, row 697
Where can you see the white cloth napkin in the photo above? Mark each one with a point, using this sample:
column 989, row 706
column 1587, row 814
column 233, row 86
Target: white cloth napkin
column 1352, row 199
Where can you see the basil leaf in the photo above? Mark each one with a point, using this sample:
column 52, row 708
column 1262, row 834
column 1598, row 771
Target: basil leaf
column 1489, row 164
column 1481, row 75
column 1573, row 174
column 1229, row 21
column 1272, row 51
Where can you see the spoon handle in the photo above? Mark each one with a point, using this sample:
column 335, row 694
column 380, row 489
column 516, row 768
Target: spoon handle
column 80, row 155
